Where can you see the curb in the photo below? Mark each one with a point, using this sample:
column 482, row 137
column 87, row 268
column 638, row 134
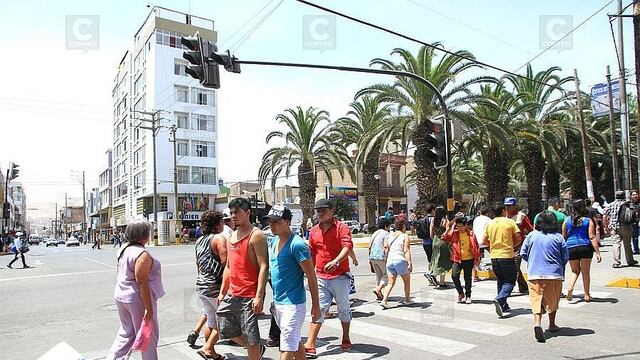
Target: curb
column 625, row 283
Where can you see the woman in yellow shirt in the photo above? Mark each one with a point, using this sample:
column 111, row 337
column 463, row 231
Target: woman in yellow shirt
column 464, row 255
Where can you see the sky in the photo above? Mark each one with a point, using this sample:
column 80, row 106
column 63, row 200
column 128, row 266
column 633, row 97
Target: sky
column 55, row 103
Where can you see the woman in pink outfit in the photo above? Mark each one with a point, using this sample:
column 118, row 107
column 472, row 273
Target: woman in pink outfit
column 138, row 288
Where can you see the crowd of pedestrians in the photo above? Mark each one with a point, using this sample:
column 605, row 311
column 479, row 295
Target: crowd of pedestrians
column 235, row 260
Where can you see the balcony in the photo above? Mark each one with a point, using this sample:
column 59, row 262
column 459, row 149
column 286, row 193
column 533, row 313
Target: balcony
column 392, row 191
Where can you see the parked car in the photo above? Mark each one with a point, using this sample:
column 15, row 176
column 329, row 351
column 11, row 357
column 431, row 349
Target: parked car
column 72, row 241
column 60, row 241
column 51, row 242
column 353, row 225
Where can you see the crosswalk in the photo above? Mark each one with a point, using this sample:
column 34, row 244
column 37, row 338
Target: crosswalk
column 434, row 326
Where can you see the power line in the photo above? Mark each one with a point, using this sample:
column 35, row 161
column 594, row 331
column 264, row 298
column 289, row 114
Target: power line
column 565, row 35
column 247, row 22
column 239, row 43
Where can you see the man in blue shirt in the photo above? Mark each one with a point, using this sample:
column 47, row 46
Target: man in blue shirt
column 289, row 260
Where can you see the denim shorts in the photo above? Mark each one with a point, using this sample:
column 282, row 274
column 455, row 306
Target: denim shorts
column 335, row 289
column 398, row 267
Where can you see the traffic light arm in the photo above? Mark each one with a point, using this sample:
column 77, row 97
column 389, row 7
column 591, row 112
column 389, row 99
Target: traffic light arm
column 443, row 104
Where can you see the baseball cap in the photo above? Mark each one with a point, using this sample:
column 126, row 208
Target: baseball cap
column 510, row 201
column 226, row 214
column 323, row 204
column 278, row 212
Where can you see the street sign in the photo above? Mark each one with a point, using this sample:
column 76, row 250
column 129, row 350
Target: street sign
column 600, row 99
column 169, row 216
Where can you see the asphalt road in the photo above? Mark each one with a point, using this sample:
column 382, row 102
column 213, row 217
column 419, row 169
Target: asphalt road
column 67, row 297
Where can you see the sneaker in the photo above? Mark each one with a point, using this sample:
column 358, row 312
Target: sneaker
column 263, row 349
column 273, row 342
column 430, row 279
column 498, row 308
column 191, row 339
column 633, row 263
column 346, row 345
column 538, row 333
column 615, row 266
column 467, row 300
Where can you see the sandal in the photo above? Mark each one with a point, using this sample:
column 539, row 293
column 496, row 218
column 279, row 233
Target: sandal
column 587, row 297
column 205, row 356
column 378, row 295
column 569, row 294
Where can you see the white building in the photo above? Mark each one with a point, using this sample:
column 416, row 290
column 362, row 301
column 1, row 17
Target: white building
column 151, row 77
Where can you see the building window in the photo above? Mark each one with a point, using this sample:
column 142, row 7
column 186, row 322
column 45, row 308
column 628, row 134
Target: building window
column 179, row 67
column 139, row 156
column 204, row 122
column 202, row 97
column 203, row 149
column 395, row 177
column 203, row 175
column 139, row 180
column 182, row 93
column 140, row 104
column 183, row 147
column 138, row 84
column 183, row 120
column 183, row 174
column 136, row 134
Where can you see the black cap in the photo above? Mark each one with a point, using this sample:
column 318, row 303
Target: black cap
column 278, row 212
column 323, row 204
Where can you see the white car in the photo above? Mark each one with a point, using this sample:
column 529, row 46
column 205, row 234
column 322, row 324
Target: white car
column 353, row 225
column 51, row 242
column 72, row 241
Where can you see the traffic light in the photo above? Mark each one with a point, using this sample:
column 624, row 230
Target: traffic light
column 6, row 210
column 227, row 60
column 145, row 213
column 437, row 142
column 201, row 69
column 13, row 171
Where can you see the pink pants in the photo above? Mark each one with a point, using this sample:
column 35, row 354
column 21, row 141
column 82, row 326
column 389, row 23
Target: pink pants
column 131, row 315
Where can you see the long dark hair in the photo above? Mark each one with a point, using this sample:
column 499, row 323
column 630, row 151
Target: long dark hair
column 440, row 214
column 578, row 212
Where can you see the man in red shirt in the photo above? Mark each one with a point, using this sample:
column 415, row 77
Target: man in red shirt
column 524, row 224
column 330, row 244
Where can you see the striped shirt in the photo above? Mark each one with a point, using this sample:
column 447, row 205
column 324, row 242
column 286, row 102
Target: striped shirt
column 612, row 209
column 210, row 268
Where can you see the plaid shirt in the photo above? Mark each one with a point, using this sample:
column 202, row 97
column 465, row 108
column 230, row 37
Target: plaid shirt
column 611, row 210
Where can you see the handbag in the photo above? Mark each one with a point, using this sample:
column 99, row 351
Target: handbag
column 143, row 337
column 373, row 271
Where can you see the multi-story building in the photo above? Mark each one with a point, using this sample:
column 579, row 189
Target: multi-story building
column 106, row 221
column 18, row 199
column 151, row 78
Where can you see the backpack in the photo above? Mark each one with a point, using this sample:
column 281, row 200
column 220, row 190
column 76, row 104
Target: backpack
column 627, row 214
column 422, row 228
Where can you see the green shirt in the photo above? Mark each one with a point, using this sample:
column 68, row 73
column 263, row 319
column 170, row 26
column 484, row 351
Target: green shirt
column 559, row 216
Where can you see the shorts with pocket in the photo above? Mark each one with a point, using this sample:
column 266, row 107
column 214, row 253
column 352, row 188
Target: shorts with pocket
column 236, row 318
column 336, row 289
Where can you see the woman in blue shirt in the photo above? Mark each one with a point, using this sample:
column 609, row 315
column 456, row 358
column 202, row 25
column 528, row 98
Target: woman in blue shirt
column 545, row 252
column 579, row 231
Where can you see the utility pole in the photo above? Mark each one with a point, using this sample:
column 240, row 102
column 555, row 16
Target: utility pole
column 84, row 209
column 154, row 121
column 624, row 112
column 585, row 146
column 636, row 50
column 173, row 130
column 612, row 126
column 65, row 214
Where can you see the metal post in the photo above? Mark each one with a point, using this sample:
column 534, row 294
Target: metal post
column 585, row 146
column 155, row 119
column 612, row 126
column 84, row 209
column 624, row 116
column 174, row 128
column 636, row 49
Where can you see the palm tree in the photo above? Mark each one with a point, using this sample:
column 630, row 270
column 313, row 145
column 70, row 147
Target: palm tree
column 537, row 130
column 415, row 103
column 313, row 144
column 360, row 125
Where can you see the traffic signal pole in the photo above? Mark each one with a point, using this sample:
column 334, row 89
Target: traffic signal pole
column 443, row 104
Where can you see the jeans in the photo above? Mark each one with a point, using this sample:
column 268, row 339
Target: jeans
column 428, row 249
column 523, row 287
column 467, row 267
column 24, row 264
column 505, row 270
column 634, row 237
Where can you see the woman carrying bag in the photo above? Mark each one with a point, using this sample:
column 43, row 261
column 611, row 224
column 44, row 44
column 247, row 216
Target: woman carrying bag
column 398, row 253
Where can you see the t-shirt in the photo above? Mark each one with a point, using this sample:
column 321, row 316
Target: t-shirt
column 559, row 216
column 377, row 244
column 388, row 214
column 287, row 277
column 466, row 252
column 500, row 234
column 479, row 225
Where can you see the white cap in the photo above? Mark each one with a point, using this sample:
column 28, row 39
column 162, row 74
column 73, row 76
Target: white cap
column 226, row 214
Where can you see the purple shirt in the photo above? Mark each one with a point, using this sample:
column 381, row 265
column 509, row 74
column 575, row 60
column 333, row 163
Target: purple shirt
column 127, row 290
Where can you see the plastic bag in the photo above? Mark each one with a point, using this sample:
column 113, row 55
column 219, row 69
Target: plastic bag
column 143, row 337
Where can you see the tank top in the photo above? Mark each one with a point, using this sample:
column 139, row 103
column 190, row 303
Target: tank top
column 578, row 236
column 243, row 275
column 396, row 248
column 127, row 290
column 210, row 268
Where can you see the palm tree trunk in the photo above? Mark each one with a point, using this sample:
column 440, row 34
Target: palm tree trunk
column 307, row 182
column 552, row 179
column 534, row 171
column 427, row 182
column 496, row 175
column 370, row 185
